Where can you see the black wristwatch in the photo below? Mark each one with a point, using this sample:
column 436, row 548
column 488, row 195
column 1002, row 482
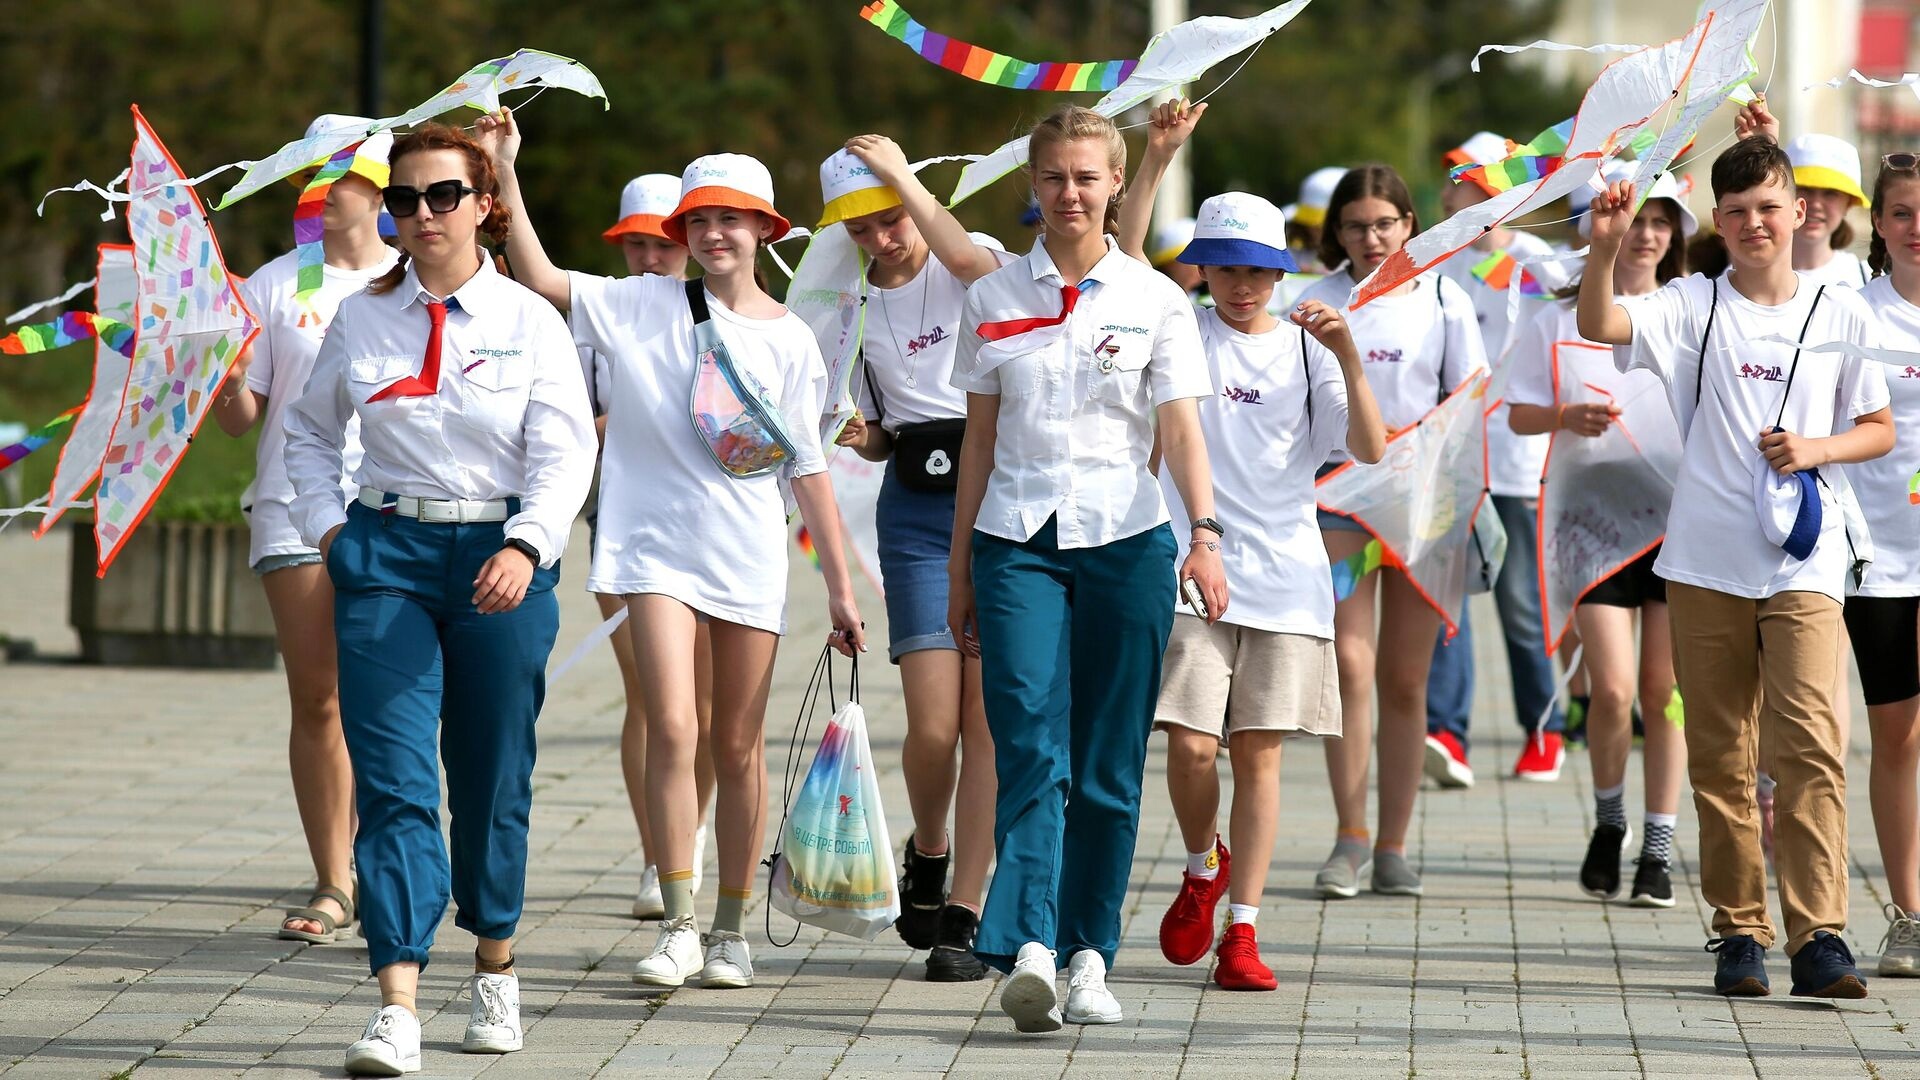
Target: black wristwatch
column 532, row 553
column 1209, row 523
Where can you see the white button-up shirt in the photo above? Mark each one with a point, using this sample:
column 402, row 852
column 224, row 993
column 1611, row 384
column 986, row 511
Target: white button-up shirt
column 1075, row 425
column 511, row 417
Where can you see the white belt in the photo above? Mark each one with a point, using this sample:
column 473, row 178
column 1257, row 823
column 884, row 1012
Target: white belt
column 437, row 511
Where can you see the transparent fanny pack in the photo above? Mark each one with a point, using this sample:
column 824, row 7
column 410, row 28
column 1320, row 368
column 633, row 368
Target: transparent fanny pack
column 729, row 407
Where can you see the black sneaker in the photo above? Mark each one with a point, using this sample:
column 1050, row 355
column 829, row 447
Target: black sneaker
column 1600, row 873
column 1652, row 883
column 923, row 892
column 952, row 958
column 1741, row 967
column 1824, row 968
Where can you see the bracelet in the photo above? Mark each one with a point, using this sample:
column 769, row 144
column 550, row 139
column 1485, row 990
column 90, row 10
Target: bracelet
column 1210, row 545
column 1560, row 419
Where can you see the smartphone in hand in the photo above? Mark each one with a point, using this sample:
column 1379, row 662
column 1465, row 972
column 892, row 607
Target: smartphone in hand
column 1190, row 589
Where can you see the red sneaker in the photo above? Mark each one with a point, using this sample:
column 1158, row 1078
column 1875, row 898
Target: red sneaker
column 1541, row 758
column 1186, row 931
column 1240, row 966
column 1447, row 761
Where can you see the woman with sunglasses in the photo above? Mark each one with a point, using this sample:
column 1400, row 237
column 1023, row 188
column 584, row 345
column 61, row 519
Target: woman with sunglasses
column 1881, row 618
column 478, row 453
column 1420, row 342
column 685, row 537
column 263, row 381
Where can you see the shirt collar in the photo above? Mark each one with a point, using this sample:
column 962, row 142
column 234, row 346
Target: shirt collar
column 469, row 297
column 1110, row 266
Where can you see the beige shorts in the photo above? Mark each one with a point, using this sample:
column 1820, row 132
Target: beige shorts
column 1223, row 678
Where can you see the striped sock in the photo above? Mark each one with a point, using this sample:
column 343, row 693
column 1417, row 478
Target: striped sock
column 1658, row 843
column 1610, row 806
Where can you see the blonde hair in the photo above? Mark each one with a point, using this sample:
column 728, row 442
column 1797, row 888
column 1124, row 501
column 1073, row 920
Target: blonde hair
column 1071, row 123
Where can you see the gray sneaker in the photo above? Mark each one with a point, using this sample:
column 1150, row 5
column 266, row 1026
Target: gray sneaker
column 1900, row 949
column 1393, row 876
column 1340, row 878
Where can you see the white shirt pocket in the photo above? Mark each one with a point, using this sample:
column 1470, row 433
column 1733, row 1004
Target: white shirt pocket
column 1115, row 377
column 369, row 375
column 496, row 393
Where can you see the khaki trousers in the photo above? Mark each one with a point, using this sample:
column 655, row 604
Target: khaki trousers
column 1753, row 669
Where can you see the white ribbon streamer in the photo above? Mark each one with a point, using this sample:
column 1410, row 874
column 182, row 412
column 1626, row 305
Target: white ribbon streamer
column 1550, row 46
column 112, row 196
column 73, row 290
column 597, row 635
column 1910, row 80
column 1899, row 358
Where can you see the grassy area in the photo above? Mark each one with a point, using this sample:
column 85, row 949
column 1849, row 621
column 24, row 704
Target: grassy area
column 207, row 485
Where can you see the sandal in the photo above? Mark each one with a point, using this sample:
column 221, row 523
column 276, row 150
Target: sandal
column 333, row 930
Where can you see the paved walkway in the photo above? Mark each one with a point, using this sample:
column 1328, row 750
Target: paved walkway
column 148, row 842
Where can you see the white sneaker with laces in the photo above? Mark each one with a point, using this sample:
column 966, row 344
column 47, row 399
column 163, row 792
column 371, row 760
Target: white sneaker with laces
column 389, row 1047
column 675, row 957
column 493, row 1024
column 648, row 903
column 1900, row 949
column 728, row 966
column 1028, row 995
column 1088, row 999
column 699, row 856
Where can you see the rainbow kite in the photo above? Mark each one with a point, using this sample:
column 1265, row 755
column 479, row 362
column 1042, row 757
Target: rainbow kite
column 805, row 539
column 309, row 225
column 38, row 438
column 1499, row 270
column 997, row 69
column 1348, row 571
column 70, row 327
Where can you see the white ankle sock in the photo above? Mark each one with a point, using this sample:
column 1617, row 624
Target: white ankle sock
column 1204, row 865
column 1242, row 913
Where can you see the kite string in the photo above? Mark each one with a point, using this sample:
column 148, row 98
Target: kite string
column 1210, row 93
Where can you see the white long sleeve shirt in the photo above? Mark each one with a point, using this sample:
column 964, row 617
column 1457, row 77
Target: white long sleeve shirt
column 511, row 418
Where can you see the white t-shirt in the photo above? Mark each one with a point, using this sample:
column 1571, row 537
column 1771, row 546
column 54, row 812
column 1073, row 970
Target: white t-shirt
column 1263, row 452
column 907, row 347
column 283, row 353
column 1884, row 486
column 671, row 521
column 1513, row 460
column 1418, row 346
column 1713, row 532
column 1845, row 268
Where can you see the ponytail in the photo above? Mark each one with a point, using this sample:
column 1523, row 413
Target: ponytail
column 480, row 175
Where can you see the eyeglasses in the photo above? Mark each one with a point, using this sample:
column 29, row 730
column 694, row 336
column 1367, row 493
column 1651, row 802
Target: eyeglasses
column 1901, row 162
column 1358, row 230
column 441, row 195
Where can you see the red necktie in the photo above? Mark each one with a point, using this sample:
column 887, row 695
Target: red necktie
column 994, row 331
column 427, row 383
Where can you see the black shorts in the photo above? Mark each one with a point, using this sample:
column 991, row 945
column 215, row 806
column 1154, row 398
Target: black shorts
column 1633, row 585
column 1886, row 644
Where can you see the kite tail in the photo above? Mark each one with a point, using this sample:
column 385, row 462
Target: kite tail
column 805, row 539
column 70, row 327
column 37, row 438
column 984, row 65
column 309, row 225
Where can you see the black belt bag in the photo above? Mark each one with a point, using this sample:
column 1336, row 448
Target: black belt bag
column 926, row 457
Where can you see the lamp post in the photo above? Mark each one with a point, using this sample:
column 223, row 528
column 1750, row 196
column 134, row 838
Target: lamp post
column 1174, row 199
column 372, row 48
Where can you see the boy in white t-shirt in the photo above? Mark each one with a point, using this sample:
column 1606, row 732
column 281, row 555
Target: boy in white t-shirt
column 1757, row 553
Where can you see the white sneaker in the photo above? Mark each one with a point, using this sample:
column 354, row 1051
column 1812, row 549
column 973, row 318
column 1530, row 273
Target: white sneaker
column 699, row 856
column 675, row 956
column 1088, row 999
column 1027, row 995
column 648, row 903
column 389, row 1047
column 493, row 1024
column 728, row 966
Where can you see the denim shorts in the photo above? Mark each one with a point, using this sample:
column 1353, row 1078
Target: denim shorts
column 1331, row 522
column 269, row 563
column 915, row 536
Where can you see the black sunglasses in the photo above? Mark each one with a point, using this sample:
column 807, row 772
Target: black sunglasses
column 441, row 195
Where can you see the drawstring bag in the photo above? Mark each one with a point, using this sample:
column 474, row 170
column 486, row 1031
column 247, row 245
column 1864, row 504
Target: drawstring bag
column 832, row 860
column 745, row 434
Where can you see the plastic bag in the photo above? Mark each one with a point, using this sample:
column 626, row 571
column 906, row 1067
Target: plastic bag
column 730, row 408
column 833, row 867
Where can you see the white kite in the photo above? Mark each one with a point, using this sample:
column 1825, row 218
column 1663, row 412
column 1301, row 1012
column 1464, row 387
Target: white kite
column 86, row 447
column 1172, row 59
column 829, row 295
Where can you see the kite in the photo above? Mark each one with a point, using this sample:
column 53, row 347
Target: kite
column 309, row 225
column 1550, row 46
column 1172, row 59
column 983, row 65
column 37, row 438
column 1713, row 62
column 1603, row 500
column 829, row 294
column 73, row 290
column 70, row 327
column 1501, row 271
column 1348, row 571
column 480, row 88
column 189, row 323
column 80, row 457
column 1420, row 500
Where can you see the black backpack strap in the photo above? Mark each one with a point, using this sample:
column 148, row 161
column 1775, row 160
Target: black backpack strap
column 873, row 388
column 1308, row 373
column 1440, row 304
column 1794, row 367
column 697, row 301
column 1712, row 309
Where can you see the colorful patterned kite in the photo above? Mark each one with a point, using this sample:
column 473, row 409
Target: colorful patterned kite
column 1713, row 62
column 37, row 438
column 309, row 226
column 1420, row 500
column 114, row 286
column 480, row 88
column 69, row 328
column 998, row 69
column 1500, row 270
column 189, row 323
column 1172, row 59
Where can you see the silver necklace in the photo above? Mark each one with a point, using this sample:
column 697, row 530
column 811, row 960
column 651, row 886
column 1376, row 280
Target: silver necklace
column 886, row 314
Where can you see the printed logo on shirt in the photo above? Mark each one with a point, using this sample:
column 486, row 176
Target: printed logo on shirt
column 1385, row 356
column 1243, row 395
column 1761, row 372
column 1119, row 329
column 1910, row 373
column 488, row 354
column 932, row 337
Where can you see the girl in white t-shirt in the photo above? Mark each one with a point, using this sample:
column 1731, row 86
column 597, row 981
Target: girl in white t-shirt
column 294, row 304
column 1881, row 617
column 1565, row 386
column 1419, row 342
column 912, row 417
column 684, row 538
column 1826, row 173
